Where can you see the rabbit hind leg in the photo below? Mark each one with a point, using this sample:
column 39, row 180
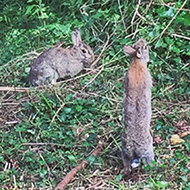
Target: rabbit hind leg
column 148, row 156
column 126, row 163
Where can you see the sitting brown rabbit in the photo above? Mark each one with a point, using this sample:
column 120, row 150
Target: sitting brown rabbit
column 136, row 138
column 57, row 62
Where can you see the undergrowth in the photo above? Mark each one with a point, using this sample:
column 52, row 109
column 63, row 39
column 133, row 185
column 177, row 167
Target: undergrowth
column 45, row 132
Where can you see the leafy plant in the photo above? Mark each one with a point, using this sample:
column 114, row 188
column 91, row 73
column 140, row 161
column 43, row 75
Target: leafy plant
column 47, row 131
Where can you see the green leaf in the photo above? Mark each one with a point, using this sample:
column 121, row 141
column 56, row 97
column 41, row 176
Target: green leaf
column 43, row 172
column 119, row 177
column 176, row 50
column 79, row 108
column 29, row 159
column 29, row 1
column 179, row 155
column 169, row 40
column 112, row 53
column 1, row 158
column 91, row 159
column 184, row 178
column 66, row 29
column 46, row 101
column 160, row 43
column 29, row 8
column 169, row 13
column 71, row 158
column 68, row 110
column 27, row 69
column 85, row 144
column 95, row 124
column 31, row 131
column 24, row 140
column 158, row 127
column 124, row 41
column 187, row 138
column 117, row 17
column 162, row 184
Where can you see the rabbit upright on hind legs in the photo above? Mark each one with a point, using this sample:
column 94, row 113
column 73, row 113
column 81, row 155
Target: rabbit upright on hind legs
column 136, row 138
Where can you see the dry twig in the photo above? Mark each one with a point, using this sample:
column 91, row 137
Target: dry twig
column 64, row 182
column 13, row 89
column 180, row 36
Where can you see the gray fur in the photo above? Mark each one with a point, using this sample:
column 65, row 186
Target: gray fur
column 136, row 138
column 57, row 62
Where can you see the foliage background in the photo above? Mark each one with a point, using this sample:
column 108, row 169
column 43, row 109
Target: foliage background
column 46, row 132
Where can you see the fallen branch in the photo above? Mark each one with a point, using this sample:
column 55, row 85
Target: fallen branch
column 64, row 182
column 13, row 89
column 26, row 89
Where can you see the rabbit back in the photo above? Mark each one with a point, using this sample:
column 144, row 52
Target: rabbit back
column 44, row 69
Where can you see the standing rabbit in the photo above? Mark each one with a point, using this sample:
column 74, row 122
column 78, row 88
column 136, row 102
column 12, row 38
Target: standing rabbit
column 57, row 62
column 136, row 138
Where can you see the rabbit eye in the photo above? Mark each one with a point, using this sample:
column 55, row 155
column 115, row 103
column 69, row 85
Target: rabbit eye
column 83, row 51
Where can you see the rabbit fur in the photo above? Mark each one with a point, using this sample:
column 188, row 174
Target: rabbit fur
column 57, row 62
column 136, row 138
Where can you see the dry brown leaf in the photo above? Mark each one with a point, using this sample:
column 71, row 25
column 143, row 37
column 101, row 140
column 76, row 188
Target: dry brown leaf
column 181, row 124
column 175, row 139
column 158, row 139
column 181, row 135
column 183, row 129
column 165, row 156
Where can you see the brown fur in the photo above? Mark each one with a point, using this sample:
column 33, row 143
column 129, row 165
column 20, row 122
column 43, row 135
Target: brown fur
column 58, row 63
column 136, row 74
column 136, row 138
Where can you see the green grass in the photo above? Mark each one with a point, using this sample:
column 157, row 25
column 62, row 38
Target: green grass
column 44, row 133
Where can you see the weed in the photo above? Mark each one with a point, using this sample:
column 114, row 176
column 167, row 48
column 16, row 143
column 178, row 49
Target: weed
column 46, row 132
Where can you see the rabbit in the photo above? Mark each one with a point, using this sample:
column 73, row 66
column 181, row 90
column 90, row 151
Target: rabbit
column 57, row 62
column 137, row 142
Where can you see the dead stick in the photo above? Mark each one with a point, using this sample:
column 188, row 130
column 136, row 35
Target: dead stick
column 13, row 89
column 64, row 182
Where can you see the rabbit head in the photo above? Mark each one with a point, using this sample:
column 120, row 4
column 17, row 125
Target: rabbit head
column 138, row 50
column 80, row 50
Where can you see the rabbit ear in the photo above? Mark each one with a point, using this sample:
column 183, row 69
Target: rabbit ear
column 128, row 50
column 76, row 37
